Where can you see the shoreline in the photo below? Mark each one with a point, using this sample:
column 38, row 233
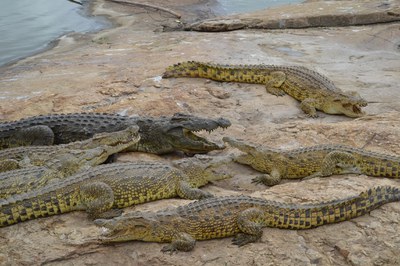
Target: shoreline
column 88, row 12
column 217, row 24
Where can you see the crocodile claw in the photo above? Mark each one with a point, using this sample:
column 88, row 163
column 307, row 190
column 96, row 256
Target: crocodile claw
column 242, row 239
column 265, row 180
column 207, row 195
column 169, row 248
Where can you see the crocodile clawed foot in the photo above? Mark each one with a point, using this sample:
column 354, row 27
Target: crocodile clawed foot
column 280, row 93
column 205, row 195
column 314, row 115
column 243, row 239
column 265, row 180
column 276, row 92
column 208, row 195
column 257, row 180
column 169, row 248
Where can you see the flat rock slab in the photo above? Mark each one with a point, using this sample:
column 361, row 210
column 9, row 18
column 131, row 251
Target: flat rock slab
column 306, row 15
column 119, row 70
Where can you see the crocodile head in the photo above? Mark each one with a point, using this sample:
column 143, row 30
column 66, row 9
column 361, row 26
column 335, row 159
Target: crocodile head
column 177, row 133
column 202, row 169
column 98, row 149
column 119, row 139
column 349, row 104
column 260, row 158
column 184, row 69
column 141, row 226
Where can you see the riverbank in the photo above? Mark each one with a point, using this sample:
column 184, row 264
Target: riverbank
column 119, row 70
column 27, row 28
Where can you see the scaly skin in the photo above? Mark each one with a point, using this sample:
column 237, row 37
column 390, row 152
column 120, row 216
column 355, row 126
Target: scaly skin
column 72, row 157
column 321, row 160
column 26, row 179
column 239, row 216
column 103, row 189
column 313, row 90
column 158, row 135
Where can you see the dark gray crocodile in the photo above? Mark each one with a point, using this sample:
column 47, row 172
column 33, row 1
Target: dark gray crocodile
column 158, row 134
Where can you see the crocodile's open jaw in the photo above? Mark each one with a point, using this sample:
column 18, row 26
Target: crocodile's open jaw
column 123, row 229
column 121, row 138
column 113, row 236
column 177, row 133
column 187, row 141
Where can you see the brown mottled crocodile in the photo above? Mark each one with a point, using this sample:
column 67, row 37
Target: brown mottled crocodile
column 72, row 157
column 157, row 135
column 103, row 189
column 320, row 160
column 240, row 216
column 313, row 90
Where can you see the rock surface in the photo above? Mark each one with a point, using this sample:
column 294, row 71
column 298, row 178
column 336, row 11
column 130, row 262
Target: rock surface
column 119, row 70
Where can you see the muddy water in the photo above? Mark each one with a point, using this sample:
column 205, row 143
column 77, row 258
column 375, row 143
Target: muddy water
column 27, row 27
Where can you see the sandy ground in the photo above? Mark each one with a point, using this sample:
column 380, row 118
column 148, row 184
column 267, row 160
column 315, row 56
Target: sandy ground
column 119, row 70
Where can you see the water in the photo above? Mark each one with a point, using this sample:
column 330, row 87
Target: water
column 241, row 6
column 28, row 26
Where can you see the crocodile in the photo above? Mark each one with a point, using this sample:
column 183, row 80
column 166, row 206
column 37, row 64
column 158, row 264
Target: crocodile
column 72, row 157
column 315, row 161
column 240, row 216
column 313, row 90
column 158, row 135
column 103, row 190
column 26, row 179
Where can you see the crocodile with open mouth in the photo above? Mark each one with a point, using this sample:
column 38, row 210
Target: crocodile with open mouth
column 159, row 135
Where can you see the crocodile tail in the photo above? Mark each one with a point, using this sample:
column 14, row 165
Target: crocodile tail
column 184, row 69
column 346, row 209
column 378, row 196
column 374, row 198
column 35, row 204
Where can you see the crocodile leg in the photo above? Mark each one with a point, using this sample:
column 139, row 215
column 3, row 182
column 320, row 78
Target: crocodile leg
column 308, row 107
column 274, row 84
column 344, row 160
column 249, row 223
column 272, row 179
column 185, row 191
column 183, row 242
column 98, row 199
column 34, row 135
